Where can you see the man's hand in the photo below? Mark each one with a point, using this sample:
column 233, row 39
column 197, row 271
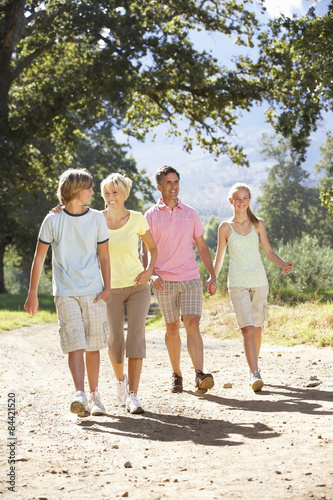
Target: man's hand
column 211, row 285
column 157, row 283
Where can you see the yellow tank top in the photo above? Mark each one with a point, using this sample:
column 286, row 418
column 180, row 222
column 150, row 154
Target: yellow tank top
column 245, row 268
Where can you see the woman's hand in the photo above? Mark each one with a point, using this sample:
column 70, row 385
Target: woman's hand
column 56, row 210
column 142, row 278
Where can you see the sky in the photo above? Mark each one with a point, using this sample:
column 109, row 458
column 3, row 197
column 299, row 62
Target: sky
column 204, row 181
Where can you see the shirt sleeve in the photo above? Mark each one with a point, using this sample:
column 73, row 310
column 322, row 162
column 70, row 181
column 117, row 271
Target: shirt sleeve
column 198, row 229
column 143, row 225
column 45, row 234
column 103, row 232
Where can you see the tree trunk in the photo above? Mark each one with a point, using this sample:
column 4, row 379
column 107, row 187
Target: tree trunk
column 2, row 275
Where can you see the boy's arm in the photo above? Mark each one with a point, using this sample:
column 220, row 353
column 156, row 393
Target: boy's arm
column 104, row 259
column 31, row 304
column 269, row 252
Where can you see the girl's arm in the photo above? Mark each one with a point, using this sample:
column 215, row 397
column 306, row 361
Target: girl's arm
column 148, row 246
column 269, row 252
column 31, row 304
column 104, row 260
column 223, row 234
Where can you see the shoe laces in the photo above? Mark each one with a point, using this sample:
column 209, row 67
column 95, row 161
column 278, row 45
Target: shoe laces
column 134, row 398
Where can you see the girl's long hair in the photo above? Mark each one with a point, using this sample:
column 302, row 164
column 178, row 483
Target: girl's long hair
column 251, row 215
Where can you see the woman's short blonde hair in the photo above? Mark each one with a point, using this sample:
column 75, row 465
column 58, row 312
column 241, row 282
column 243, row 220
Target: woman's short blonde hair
column 123, row 183
column 71, row 182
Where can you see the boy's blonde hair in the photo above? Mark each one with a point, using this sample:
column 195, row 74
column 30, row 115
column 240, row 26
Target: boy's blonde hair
column 250, row 213
column 71, row 182
column 123, row 183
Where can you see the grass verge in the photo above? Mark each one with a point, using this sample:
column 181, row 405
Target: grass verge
column 305, row 322
column 309, row 322
column 13, row 315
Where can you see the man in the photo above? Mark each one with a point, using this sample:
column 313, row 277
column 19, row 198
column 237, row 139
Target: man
column 176, row 279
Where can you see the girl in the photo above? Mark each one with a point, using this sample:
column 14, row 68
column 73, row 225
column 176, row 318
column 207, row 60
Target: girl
column 247, row 281
column 129, row 286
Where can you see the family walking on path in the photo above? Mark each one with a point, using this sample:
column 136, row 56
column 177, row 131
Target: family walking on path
column 90, row 299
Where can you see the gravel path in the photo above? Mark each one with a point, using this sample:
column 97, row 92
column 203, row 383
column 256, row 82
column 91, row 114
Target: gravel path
column 229, row 444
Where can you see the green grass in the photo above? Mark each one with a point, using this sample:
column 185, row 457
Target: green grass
column 299, row 319
column 13, row 315
column 308, row 322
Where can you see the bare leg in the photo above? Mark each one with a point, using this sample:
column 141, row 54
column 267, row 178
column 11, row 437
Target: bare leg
column 76, row 366
column 257, row 339
column 134, row 372
column 194, row 340
column 118, row 369
column 174, row 344
column 250, row 350
column 92, row 363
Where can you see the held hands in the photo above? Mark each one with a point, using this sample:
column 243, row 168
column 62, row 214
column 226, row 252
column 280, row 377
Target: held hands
column 287, row 267
column 142, row 278
column 211, row 285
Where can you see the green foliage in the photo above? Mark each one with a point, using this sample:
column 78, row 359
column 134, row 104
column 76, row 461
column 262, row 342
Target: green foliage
column 312, row 269
column 102, row 155
column 17, row 271
column 284, row 201
column 288, row 206
column 326, row 165
column 211, row 232
column 296, row 65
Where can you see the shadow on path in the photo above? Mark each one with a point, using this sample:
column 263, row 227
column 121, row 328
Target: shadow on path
column 178, row 428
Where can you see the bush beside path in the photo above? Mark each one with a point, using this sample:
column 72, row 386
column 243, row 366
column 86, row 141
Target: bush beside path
column 229, row 444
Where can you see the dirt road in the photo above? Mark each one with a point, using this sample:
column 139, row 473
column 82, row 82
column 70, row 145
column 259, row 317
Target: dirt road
column 229, row 444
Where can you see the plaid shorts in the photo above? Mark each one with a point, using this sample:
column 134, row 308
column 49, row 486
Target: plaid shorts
column 249, row 305
column 82, row 323
column 183, row 297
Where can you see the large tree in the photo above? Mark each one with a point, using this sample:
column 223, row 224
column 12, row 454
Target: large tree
column 65, row 64
column 285, row 200
column 325, row 165
column 296, row 71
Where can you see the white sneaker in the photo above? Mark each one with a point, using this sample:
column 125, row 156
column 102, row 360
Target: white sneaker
column 79, row 404
column 95, row 404
column 256, row 382
column 133, row 404
column 122, row 390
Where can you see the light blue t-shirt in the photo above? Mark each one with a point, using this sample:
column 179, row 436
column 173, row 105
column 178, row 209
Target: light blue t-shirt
column 74, row 240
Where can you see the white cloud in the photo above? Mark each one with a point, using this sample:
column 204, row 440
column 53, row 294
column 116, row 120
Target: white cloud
column 287, row 7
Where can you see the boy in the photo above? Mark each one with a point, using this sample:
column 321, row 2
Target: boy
column 77, row 234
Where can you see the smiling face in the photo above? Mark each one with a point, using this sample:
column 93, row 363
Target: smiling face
column 113, row 196
column 169, row 187
column 85, row 196
column 240, row 199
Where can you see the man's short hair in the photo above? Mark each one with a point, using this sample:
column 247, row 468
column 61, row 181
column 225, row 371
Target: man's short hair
column 71, row 182
column 165, row 170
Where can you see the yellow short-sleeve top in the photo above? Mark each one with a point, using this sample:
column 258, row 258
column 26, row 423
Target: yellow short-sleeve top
column 124, row 251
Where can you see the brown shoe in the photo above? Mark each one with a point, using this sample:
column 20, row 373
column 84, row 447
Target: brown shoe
column 203, row 382
column 176, row 383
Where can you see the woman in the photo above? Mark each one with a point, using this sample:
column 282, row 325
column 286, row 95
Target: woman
column 129, row 287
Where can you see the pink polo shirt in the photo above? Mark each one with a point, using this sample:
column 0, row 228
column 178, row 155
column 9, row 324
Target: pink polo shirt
column 174, row 232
